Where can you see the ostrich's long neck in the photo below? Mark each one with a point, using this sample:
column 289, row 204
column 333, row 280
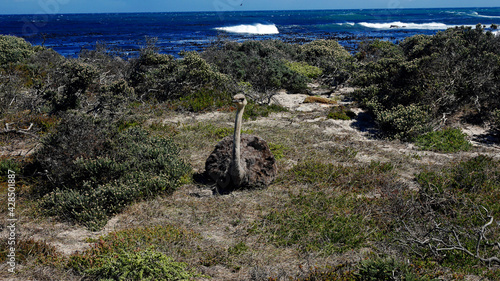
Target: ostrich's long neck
column 238, row 170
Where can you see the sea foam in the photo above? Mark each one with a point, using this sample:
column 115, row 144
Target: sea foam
column 260, row 29
column 404, row 25
column 476, row 14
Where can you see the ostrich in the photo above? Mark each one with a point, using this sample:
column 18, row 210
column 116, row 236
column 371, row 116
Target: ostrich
column 241, row 161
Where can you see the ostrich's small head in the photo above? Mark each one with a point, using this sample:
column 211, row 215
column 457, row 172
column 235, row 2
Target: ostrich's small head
column 240, row 101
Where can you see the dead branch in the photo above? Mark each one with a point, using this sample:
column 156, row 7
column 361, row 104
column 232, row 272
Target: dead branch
column 8, row 130
column 440, row 239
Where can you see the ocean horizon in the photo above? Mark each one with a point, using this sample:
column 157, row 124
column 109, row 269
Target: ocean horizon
column 127, row 33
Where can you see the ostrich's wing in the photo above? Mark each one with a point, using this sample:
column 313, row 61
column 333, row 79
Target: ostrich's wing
column 259, row 161
column 217, row 164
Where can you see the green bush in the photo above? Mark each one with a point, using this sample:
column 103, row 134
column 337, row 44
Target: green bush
column 114, row 97
column 163, row 78
column 75, row 78
column 376, row 269
column 124, row 254
column 9, row 164
column 403, row 122
column 205, row 99
column 14, row 49
column 335, row 62
column 304, row 69
column 416, row 72
column 447, row 140
column 373, row 176
column 94, row 171
column 341, row 113
column 143, row 265
column 454, row 214
column 478, row 174
column 76, row 136
column 263, row 64
column 278, row 150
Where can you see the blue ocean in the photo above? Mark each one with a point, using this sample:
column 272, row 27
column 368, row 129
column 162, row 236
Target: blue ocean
column 127, row 33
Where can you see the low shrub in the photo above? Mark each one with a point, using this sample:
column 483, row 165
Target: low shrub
column 344, row 272
column 263, row 64
column 371, row 177
column 341, row 113
column 113, row 98
column 304, row 69
column 93, row 173
column 447, row 140
column 205, row 99
column 75, row 79
column 329, row 217
column 453, row 218
column 478, row 174
column 169, row 130
column 143, row 265
column 14, row 49
column 219, row 256
column 76, row 136
column 315, row 99
column 376, row 269
column 278, row 150
column 343, row 153
column 415, row 73
column 253, row 110
column 162, row 78
column 403, row 122
column 128, row 254
column 334, row 61
column 316, row 222
column 9, row 165
column 213, row 132
column 28, row 250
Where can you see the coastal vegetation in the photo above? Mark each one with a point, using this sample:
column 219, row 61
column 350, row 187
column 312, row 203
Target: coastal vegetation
column 99, row 137
column 413, row 87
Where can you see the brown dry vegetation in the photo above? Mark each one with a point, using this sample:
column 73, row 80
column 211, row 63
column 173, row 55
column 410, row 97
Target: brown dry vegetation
column 347, row 204
column 237, row 236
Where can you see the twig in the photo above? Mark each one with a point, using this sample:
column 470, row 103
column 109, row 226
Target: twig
column 449, row 240
column 7, row 130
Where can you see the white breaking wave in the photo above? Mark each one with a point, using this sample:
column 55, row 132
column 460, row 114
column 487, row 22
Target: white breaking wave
column 260, row 29
column 496, row 33
column 346, row 23
column 476, row 14
column 404, row 25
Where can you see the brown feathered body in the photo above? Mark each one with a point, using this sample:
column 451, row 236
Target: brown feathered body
column 256, row 159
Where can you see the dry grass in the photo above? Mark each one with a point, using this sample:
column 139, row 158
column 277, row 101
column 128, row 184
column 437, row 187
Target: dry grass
column 235, row 242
